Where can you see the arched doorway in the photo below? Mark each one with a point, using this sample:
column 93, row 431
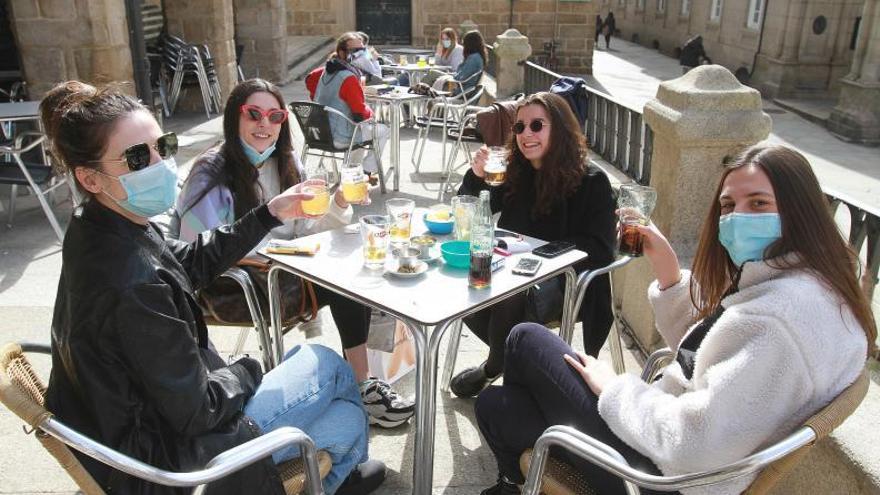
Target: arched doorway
column 10, row 61
column 388, row 22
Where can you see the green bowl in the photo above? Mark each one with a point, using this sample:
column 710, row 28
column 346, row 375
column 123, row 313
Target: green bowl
column 456, row 253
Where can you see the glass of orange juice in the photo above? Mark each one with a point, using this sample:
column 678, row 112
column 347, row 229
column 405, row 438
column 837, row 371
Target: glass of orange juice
column 354, row 183
column 318, row 187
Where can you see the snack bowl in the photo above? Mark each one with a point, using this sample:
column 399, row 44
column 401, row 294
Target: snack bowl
column 456, row 253
column 440, row 227
column 407, row 256
column 425, row 244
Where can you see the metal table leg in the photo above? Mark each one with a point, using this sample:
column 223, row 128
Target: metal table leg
column 395, row 143
column 427, row 353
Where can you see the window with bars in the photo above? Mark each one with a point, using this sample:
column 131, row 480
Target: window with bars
column 715, row 10
column 756, row 11
column 685, row 7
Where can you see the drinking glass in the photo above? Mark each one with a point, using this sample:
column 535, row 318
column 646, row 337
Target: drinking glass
column 496, row 166
column 464, row 207
column 432, row 60
column 400, row 210
column 354, row 183
column 635, row 204
column 321, row 202
column 374, row 236
column 422, row 61
column 401, row 60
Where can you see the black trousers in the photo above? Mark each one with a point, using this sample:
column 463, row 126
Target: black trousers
column 352, row 318
column 542, row 390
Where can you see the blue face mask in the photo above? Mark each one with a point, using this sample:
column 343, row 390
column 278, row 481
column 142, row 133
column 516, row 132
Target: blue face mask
column 446, row 43
column 745, row 236
column 255, row 156
column 150, row 191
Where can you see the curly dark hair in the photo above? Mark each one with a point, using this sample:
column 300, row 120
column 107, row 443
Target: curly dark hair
column 238, row 174
column 564, row 165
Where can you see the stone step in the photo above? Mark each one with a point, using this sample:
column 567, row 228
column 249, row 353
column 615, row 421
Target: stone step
column 304, row 53
column 816, row 110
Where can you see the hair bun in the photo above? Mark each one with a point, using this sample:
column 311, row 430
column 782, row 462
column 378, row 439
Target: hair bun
column 59, row 100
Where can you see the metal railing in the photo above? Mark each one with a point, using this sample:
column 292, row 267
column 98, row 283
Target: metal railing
column 864, row 227
column 615, row 131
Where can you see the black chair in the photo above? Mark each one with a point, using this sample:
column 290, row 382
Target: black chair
column 314, row 121
column 184, row 64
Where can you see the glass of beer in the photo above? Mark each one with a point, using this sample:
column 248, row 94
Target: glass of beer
column 432, row 60
column 496, row 166
column 354, row 183
column 321, row 202
column 374, row 235
column 401, row 211
column 423, row 62
column 401, row 60
column 635, row 204
column 463, row 208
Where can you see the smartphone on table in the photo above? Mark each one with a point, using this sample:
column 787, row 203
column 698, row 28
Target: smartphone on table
column 527, row 266
column 553, row 249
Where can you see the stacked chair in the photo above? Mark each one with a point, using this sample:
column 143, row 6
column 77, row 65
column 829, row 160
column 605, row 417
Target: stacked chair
column 189, row 65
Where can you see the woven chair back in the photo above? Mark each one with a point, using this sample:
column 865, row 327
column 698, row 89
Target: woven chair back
column 23, row 393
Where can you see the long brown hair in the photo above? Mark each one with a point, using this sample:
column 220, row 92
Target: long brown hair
column 808, row 229
column 453, row 37
column 237, row 172
column 473, row 43
column 564, row 165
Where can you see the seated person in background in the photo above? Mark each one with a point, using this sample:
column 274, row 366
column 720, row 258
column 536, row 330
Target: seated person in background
column 447, row 54
column 337, row 85
column 475, row 60
column 551, row 193
column 369, row 64
column 132, row 366
column 255, row 162
column 769, row 327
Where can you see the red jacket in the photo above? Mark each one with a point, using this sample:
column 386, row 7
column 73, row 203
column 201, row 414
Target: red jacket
column 350, row 91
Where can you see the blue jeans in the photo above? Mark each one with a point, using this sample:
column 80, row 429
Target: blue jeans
column 314, row 390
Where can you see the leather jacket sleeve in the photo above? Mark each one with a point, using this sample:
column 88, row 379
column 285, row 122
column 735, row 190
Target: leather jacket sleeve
column 163, row 358
column 214, row 251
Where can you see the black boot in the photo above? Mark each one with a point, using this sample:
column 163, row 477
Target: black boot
column 472, row 381
column 503, row 487
column 366, row 477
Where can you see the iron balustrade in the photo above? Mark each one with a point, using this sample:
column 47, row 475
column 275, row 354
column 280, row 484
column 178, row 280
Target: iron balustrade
column 615, row 131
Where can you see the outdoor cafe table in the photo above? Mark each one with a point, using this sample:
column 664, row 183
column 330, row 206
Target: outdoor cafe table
column 415, row 71
column 394, row 99
column 426, row 304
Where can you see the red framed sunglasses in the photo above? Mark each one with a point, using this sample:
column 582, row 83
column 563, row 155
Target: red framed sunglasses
column 255, row 113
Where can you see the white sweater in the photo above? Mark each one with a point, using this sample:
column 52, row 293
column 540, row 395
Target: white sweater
column 784, row 347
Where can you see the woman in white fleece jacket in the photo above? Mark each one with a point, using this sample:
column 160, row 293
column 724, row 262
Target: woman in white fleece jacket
column 770, row 327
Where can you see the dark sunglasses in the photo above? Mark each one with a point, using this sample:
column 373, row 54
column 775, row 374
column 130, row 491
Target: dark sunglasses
column 137, row 156
column 255, row 113
column 536, row 126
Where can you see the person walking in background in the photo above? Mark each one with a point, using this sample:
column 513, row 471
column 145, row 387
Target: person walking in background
column 608, row 29
column 598, row 28
column 693, row 54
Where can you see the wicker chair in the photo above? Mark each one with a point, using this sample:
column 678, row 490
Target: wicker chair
column 772, row 463
column 23, row 393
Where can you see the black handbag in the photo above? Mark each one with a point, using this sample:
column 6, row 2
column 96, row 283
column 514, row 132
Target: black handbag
column 544, row 301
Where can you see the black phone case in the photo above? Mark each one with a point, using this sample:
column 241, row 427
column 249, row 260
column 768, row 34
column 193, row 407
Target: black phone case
column 553, row 249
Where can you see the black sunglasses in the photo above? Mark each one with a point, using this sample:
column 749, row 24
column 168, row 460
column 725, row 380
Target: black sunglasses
column 536, row 126
column 137, row 156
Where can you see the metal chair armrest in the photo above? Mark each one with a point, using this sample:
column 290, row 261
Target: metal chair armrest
column 610, row 460
column 585, row 278
column 224, row 464
column 19, row 140
column 655, row 361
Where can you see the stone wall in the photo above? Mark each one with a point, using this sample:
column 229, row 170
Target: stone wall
column 320, row 17
column 88, row 41
column 793, row 61
column 261, row 26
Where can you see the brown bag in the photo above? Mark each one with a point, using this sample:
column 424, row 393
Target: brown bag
column 223, row 301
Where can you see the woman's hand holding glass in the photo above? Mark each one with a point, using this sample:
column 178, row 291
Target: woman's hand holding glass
column 289, row 204
column 659, row 252
column 481, row 158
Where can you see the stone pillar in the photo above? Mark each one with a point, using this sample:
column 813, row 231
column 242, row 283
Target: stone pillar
column 207, row 22
column 857, row 114
column 698, row 120
column 511, row 48
column 59, row 40
column 261, row 26
column 465, row 27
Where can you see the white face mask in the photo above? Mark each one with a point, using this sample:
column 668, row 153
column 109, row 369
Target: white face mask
column 446, row 43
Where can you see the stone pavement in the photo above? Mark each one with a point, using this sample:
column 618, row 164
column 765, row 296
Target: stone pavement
column 632, row 73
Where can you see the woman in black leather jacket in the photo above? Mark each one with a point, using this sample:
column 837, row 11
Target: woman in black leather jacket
column 131, row 363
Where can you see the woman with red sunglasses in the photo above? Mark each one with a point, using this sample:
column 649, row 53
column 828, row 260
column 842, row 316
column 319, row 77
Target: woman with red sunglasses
column 551, row 193
column 255, row 161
